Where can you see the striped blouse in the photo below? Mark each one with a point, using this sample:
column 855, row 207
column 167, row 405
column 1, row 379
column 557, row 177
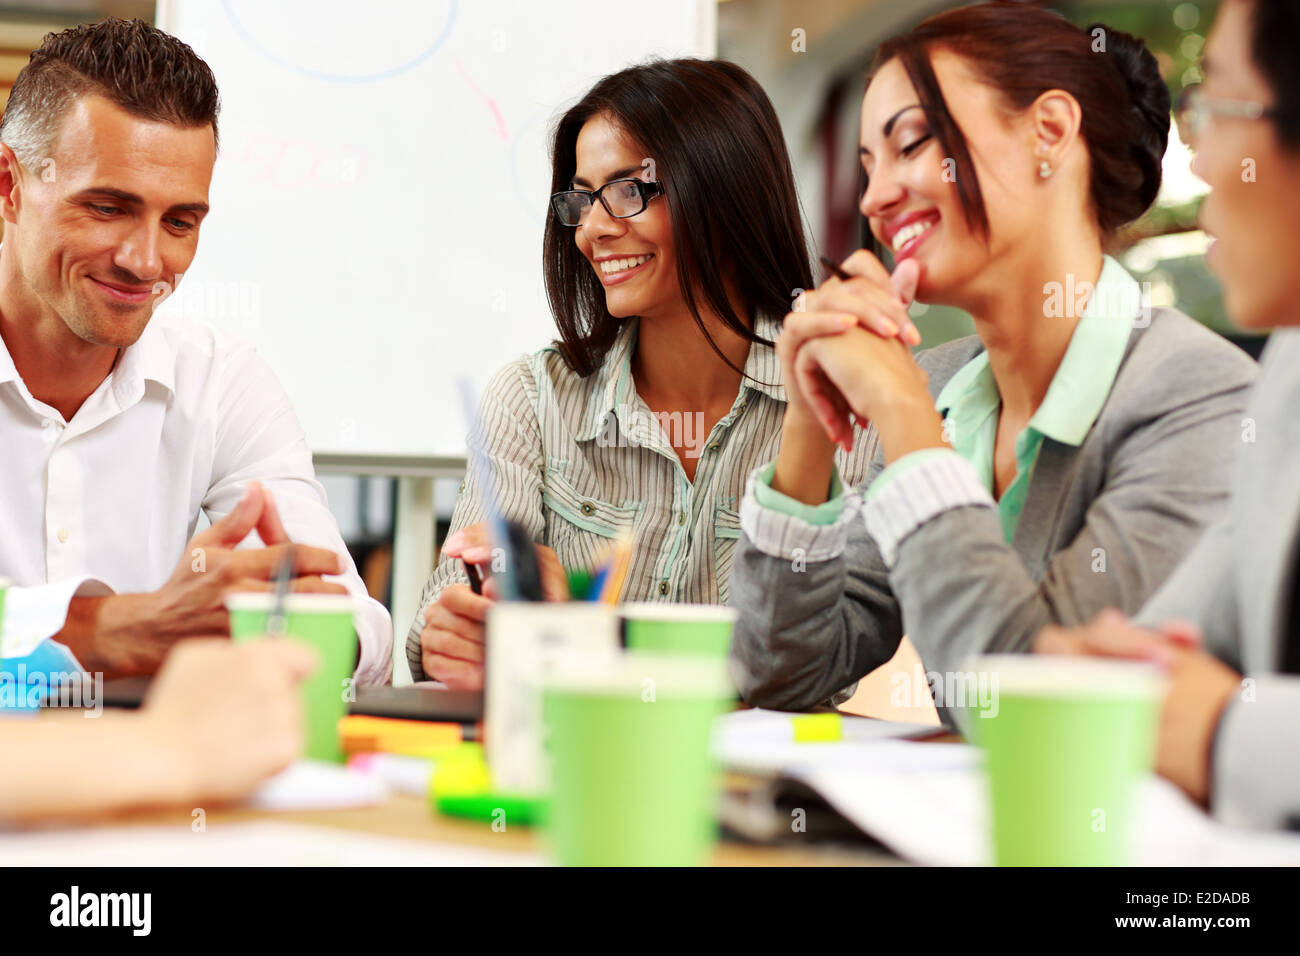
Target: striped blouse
column 579, row 461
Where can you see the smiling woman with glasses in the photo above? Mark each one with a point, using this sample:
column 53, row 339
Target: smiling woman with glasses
column 673, row 247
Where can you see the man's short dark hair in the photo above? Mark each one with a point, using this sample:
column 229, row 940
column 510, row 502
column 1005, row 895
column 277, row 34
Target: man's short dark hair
column 132, row 64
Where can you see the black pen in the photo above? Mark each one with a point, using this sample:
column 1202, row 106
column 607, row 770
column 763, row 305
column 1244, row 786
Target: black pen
column 475, row 582
column 835, row 269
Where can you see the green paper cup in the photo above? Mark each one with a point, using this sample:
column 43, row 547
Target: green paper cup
column 632, row 779
column 678, row 628
column 323, row 621
column 1068, row 742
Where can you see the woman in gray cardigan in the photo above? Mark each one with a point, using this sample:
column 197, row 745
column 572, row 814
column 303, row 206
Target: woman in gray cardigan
column 1230, row 729
column 1062, row 460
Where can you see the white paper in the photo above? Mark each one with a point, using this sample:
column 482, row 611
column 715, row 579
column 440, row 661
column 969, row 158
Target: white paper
column 316, row 785
column 928, row 803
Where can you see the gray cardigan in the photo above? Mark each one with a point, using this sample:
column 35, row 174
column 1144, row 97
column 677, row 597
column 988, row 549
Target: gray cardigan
column 1238, row 585
column 1150, row 475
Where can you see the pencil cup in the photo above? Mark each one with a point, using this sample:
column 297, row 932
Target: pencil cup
column 678, row 628
column 633, row 783
column 325, row 622
column 1067, row 743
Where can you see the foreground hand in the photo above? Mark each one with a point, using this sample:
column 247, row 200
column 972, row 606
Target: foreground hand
column 859, row 375
column 1200, row 687
column 228, row 715
column 452, row 642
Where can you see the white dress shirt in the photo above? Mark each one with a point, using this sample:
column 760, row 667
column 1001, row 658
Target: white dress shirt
column 108, row 501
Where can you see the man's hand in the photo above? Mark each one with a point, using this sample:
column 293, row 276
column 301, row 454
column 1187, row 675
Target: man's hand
column 453, row 638
column 1200, row 687
column 228, row 716
column 131, row 633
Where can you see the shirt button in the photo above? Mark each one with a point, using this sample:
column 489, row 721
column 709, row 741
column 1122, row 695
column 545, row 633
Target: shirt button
column 681, row 517
column 63, row 535
column 588, row 508
column 714, row 447
column 663, row 587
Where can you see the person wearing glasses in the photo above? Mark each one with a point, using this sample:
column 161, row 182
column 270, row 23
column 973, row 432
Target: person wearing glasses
column 673, row 249
column 1226, row 625
column 1061, row 460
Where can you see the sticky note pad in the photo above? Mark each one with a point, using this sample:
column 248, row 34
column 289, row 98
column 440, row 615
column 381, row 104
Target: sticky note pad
column 817, row 728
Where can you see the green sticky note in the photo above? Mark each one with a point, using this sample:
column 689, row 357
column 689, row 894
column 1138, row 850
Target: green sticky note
column 817, row 728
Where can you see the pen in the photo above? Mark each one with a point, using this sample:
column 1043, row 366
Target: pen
column 475, row 581
column 276, row 620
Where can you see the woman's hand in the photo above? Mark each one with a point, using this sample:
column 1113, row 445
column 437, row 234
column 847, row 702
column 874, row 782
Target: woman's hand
column 453, row 640
column 861, row 376
column 1200, row 687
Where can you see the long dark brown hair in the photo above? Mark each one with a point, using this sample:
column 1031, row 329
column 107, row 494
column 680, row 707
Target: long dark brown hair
column 720, row 156
column 1024, row 51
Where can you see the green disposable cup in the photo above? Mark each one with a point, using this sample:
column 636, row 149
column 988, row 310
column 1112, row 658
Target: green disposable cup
column 323, row 621
column 1067, row 742
column 678, row 628
column 632, row 779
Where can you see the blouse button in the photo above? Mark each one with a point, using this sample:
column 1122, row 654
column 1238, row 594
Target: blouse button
column 588, row 508
column 663, row 587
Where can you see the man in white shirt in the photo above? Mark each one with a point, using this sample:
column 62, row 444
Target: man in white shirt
column 117, row 431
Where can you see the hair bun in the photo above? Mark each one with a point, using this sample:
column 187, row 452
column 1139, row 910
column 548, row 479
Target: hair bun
column 1149, row 98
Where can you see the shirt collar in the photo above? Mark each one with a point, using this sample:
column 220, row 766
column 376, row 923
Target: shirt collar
column 612, row 389
column 1082, row 381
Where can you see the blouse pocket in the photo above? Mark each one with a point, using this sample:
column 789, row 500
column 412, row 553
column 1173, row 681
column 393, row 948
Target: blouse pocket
column 726, row 532
column 580, row 528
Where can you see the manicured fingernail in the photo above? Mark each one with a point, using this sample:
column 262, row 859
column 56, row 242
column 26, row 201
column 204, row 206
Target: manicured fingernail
column 890, row 328
column 913, row 335
column 848, row 321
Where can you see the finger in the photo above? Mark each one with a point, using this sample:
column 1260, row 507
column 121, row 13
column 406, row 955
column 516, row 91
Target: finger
column 1127, row 642
column 460, row 599
column 555, row 583
column 234, row 527
column 269, row 526
column 473, row 535
column 460, row 675
column 905, row 278
column 451, row 644
column 1057, row 640
column 441, row 619
column 878, row 310
column 315, row 585
column 491, row 589
column 826, row 401
column 307, row 561
column 864, row 263
column 1183, row 633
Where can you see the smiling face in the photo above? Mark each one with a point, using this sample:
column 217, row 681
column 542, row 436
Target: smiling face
column 633, row 258
column 1252, row 208
column 116, row 214
column 911, row 201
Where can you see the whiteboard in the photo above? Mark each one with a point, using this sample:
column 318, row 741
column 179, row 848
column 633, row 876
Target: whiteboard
column 379, row 197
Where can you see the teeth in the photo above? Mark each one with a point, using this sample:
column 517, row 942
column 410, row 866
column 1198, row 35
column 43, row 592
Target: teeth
column 910, row 232
column 610, row 266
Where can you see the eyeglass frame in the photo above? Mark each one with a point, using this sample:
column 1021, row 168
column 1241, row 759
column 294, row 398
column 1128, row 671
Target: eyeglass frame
column 646, row 189
column 1194, row 109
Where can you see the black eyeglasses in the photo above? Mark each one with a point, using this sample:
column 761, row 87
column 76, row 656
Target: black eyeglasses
column 622, row 199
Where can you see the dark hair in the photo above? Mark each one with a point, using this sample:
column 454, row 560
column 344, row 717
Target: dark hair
column 1274, row 36
column 718, row 152
column 136, row 66
column 1025, row 51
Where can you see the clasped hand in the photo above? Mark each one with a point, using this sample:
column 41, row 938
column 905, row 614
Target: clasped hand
column 845, row 357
